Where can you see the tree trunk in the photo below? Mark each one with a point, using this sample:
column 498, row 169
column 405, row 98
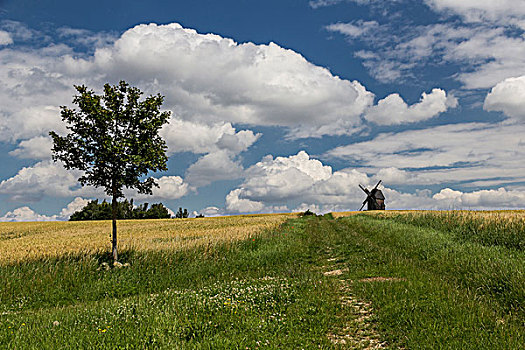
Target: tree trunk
column 114, row 236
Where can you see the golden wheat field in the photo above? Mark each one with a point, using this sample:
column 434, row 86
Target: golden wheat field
column 22, row 241
column 486, row 215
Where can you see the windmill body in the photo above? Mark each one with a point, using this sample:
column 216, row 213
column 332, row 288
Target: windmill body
column 375, row 200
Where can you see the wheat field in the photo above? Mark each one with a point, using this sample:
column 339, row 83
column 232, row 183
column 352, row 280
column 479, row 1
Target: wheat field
column 23, row 241
column 489, row 215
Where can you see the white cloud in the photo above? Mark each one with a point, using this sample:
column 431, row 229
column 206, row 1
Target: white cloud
column 354, row 30
column 393, row 175
column 328, row 191
column 244, row 83
column 323, row 3
column 271, row 183
column 314, row 208
column 493, row 55
column 210, row 211
column 85, row 37
column 213, row 167
column 21, row 32
column 482, row 10
column 445, row 199
column 47, row 178
column 181, row 136
column 76, row 205
column 38, row 147
column 283, row 177
column 508, row 97
column 29, row 122
column 238, row 142
column 5, row 38
column 483, row 199
column 170, row 187
column 486, row 53
column 26, row 214
column 241, row 205
column 44, row 178
column 394, row 110
column 449, row 153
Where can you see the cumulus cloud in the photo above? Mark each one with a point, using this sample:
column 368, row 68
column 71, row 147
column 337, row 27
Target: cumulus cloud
column 445, row 199
column 508, row 97
column 29, row 122
column 482, row 199
column 244, row 83
column 188, row 136
column 274, row 182
column 283, row 177
column 209, row 211
column 38, row 147
column 44, row 178
column 170, row 187
column 76, row 205
column 213, row 167
column 235, row 204
column 47, row 178
column 241, row 205
column 394, row 110
column 26, row 214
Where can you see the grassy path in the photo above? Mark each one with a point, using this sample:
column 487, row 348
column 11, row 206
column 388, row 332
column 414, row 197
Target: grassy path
column 359, row 282
column 431, row 289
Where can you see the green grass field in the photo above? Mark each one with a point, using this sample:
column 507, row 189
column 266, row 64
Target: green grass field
column 411, row 281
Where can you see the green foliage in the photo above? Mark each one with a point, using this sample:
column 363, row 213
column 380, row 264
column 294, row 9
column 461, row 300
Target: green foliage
column 182, row 214
column 308, row 212
column 114, row 138
column 125, row 211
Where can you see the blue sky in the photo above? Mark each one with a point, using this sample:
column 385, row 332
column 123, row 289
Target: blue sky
column 277, row 105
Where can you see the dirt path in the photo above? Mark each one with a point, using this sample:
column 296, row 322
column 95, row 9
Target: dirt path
column 359, row 331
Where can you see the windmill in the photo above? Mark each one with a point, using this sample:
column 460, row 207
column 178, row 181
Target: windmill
column 375, row 198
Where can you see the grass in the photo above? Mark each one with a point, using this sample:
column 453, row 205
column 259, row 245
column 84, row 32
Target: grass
column 491, row 228
column 397, row 280
column 433, row 286
column 260, row 292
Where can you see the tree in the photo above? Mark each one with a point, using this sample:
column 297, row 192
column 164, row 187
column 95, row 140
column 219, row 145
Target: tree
column 125, row 211
column 114, row 139
column 158, row 211
column 182, row 214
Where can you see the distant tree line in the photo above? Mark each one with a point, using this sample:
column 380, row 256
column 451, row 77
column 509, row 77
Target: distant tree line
column 182, row 214
column 125, row 210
